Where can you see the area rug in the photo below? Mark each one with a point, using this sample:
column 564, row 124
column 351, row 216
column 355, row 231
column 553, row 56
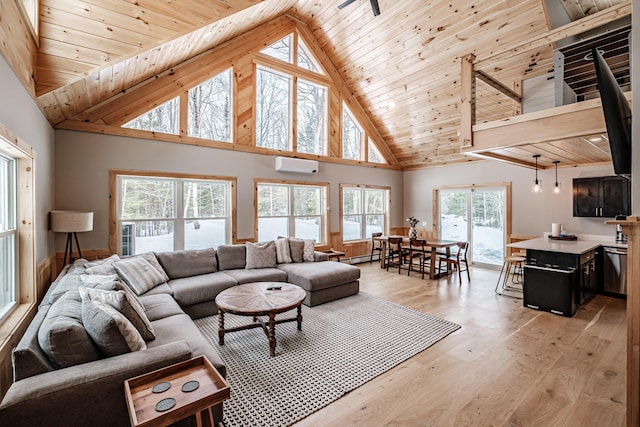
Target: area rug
column 342, row 345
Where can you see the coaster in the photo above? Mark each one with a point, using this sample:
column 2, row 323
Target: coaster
column 165, row 404
column 161, row 387
column 190, row 386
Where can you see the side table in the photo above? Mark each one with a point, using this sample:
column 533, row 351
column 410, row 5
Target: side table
column 173, row 393
column 335, row 254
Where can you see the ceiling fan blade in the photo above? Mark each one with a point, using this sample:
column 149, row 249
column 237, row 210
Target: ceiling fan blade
column 345, row 4
column 375, row 7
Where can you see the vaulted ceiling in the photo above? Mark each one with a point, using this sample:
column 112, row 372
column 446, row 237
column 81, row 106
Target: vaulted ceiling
column 403, row 66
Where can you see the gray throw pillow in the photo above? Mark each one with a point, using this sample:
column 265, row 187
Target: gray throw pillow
column 283, row 254
column 261, row 255
column 109, row 329
column 127, row 303
column 62, row 337
column 139, row 274
column 296, row 247
column 309, row 250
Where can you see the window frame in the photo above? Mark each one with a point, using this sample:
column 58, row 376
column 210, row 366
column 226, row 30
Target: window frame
column 27, row 285
column 363, row 214
column 115, row 232
column 324, row 215
column 9, row 234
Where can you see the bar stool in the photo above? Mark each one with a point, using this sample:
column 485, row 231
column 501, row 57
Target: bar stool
column 512, row 266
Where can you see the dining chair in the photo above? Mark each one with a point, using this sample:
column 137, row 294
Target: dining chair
column 457, row 260
column 376, row 245
column 419, row 254
column 394, row 251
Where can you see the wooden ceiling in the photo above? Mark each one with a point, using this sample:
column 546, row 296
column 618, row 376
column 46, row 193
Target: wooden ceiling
column 402, row 66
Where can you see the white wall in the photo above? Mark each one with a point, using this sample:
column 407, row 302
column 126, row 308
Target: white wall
column 19, row 113
column 83, row 161
column 532, row 213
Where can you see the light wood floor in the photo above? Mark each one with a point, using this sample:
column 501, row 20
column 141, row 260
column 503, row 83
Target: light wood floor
column 507, row 366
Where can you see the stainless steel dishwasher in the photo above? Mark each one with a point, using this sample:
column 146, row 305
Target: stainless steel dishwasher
column 615, row 271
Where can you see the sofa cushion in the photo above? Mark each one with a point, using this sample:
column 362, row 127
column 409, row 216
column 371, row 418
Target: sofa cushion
column 127, row 303
column 139, row 273
column 320, row 275
column 231, row 257
column 187, row 263
column 102, row 266
column 309, row 250
column 258, row 275
column 160, row 289
column 283, row 253
column 28, row 357
column 112, row 332
column 261, row 255
column 296, row 246
column 160, row 306
column 205, row 287
column 62, row 336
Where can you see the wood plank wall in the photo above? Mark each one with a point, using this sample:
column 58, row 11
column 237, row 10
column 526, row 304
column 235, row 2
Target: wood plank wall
column 17, row 45
column 243, row 54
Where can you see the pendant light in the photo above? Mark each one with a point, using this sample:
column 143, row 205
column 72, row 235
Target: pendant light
column 537, row 184
column 556, row 187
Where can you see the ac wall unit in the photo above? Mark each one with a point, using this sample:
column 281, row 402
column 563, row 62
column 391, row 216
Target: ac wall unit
column 289, row 164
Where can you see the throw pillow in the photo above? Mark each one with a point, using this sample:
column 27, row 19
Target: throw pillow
column 109, row 329
column 139, row 274
column 153, row 260
column 102, row 266
column 261, row 255
column 62, row 337
column 283, row 253
column 125, row 301
column 309, row 250
column 297, row 249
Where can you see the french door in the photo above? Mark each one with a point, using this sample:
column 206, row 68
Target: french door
column 476, row 215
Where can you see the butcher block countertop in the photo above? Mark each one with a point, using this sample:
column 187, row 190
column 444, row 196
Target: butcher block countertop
column 585, row 243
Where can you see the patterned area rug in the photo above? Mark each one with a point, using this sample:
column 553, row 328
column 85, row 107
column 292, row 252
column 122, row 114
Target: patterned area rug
column 342, row 345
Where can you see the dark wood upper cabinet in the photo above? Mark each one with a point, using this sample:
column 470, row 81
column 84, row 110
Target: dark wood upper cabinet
column 605, row 196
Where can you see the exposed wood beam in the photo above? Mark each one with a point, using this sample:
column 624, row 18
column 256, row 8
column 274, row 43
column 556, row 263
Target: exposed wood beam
column 498, row 86
column 576, row 27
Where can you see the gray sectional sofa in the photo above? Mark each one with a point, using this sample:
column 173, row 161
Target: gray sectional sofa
column 69, row 368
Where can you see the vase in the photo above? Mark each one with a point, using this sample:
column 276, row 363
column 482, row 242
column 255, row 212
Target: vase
column 413, row 233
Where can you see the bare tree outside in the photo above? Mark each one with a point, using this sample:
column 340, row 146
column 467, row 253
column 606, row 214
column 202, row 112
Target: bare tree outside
column 273, row 110
column 164, row 118
column 351, row 136
column 281, row 49
column 210, row 108
column 374, row 155
column 312, row 113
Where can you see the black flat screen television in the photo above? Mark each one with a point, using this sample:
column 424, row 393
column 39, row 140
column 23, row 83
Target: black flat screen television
column 617, row 116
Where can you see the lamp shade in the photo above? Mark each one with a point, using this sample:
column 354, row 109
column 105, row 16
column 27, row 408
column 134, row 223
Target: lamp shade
column 71, row 221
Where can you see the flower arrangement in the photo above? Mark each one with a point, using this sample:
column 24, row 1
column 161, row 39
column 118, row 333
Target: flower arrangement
column 412, row 221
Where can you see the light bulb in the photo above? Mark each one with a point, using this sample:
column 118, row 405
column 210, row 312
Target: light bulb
column 537, row 187
column 556, row 189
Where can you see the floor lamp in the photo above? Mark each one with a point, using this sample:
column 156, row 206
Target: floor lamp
column 71, row 222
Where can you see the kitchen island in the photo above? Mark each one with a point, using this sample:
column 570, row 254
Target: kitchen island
column 561, row 275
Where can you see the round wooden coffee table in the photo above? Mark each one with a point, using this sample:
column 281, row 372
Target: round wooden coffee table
column 260, row 299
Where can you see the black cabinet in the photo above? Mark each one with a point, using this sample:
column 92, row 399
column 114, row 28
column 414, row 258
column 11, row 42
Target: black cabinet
column 605, row 196
column 560, row 282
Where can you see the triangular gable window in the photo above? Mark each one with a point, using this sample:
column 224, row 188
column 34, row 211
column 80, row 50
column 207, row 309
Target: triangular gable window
column 282, row 49
column 306, row 59
column 374, row 153
column 164, row 119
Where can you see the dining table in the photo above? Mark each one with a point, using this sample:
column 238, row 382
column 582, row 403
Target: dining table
column 434, row 245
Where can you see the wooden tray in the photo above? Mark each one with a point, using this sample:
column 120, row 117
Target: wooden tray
column 141, row 401
column 568, row 237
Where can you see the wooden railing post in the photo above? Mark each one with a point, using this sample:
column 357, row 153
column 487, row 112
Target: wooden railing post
column 467, row 101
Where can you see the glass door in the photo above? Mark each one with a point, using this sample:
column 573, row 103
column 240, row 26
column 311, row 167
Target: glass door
column 488, row 230
column 476, row 215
